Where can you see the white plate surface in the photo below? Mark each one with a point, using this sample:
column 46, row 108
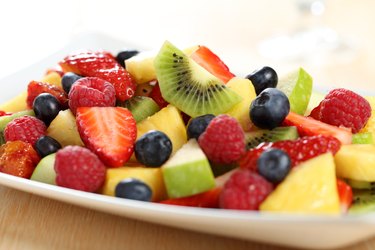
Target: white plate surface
column 315, row 232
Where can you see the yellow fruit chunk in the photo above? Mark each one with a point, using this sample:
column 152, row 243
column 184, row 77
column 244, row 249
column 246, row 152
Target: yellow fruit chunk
column 310, row 188
column 64, row 129
column 240, row 111
column 169, row 121
column 52, row 78
column 370, row 125
column 151, row 176
column 356, row 162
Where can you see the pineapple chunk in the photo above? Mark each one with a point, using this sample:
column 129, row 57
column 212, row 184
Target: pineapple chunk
column 356, row 162
column 310, row 188
column 370, row 126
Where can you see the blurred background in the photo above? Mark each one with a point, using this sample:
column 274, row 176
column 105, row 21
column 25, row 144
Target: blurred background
column 245, row 34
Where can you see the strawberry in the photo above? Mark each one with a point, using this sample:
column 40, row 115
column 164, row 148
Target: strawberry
column 36, row 88
column 209, row 199
column 308, row 127
column 212, row 63
column 155, row 94
column 345, row 195
column 110, row 132
column 103, row 65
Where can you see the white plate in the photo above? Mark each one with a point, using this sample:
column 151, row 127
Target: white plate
column 289, row 230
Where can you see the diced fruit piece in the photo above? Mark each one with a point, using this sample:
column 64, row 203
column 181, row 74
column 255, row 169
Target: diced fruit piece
column 274, row 165
column 363, row 138
column 64, row 129
column 157, row 97
column 297, row 86
column 307, row 127
column 188, row 172
column 208, row 199
column 18, row 158
column 109, row 132
column 310, row 188
column 4, row 120
column 263, row 78
column 257, row 137
column 190, row 87
column 198, row 125
column 67, row 81
column 125, row 55
column 151, row 176
column 223, row 141
column 245, row 190
column 45, row 171
column 345, row 195
column 46, row 145
column 140, row 106
column 356, row 162
column 36, row 88
column 53, row 78
column 141, row 67
column 363, row 202
column 78, row 168
column 102, row 65
column 240, row 111
column 361, row 184
column 269, row 109
column 169, row 121
column 212, row 63
column 370, row 125
column 145, row 89
column 46, row 107
column 133, row 189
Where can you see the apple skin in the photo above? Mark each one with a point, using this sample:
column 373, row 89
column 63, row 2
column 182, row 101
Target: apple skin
column 45, row 171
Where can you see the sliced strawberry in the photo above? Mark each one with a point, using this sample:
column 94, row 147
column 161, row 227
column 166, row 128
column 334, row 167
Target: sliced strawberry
column 103, row 65
column 110, row 132
column 345, row 195
column 209, row 199
column 157, row 97
column 36, row 88
column 308, row 126
column 212, row 63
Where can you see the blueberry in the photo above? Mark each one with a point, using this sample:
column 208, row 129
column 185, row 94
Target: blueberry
column 269, row 109
column 46, row 145
column 46, row 107
column 134, row 189
column 124, row 55
column 274, row 165
column 198, row 125
column 263, row 78
column 68, row 79
column 153, row 148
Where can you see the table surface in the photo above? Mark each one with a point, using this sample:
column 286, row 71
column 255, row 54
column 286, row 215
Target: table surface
column 28, row 221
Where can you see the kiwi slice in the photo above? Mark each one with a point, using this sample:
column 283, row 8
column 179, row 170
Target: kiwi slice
column 188, row 86
column 140, row 106
column 361, row 184
column 362, row 138
column 255, row 138
column 363, row 201
column 4, row 120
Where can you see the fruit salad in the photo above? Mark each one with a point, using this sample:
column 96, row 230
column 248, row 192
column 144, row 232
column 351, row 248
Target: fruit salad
column 179, row 128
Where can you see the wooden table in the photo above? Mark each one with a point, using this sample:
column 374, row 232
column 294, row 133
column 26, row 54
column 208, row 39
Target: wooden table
column 31, row 222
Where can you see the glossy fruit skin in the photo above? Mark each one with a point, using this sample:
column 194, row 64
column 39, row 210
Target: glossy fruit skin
column 68, row 79
column 198, row 125
column 134, row 189
column 269, row 109
column 153, row 148
column 36, row 88
column 263, row 78
column 345, row 195
column 46, row 107
column 124, row 55
column 46, row 145
column 274, row 165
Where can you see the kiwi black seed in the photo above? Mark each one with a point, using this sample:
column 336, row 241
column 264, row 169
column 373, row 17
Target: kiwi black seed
column 363, row 201
column 189, row 87
column 254, row 138
column 140, row 106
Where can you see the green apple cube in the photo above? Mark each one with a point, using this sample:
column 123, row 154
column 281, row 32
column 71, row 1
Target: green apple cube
column 297, row 86
column 45, row 171
column 188, row 172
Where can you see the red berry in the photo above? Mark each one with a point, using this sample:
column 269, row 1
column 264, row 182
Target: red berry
column 315, row 113
column 91, row 92
column 298, row 150
column 344, row 108
column 25, row 128
column 3, row 113
column 245, row 190
column 155, row 94
column 36, row 88
column 345, row 195
column 223, row 141
column 18, row 158
column 78, row 168
column 103, row 65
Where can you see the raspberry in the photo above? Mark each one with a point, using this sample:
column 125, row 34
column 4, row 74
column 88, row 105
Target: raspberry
column 91, row 92
column 25, row 128
column 36, row 88
column 245, row 190
column 78, row 168
column 342, row 107
column 18, row 158
column 223, row 141
column 298, row 150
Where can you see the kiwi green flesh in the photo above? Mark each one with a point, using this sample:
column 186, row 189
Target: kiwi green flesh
column 141, row 107
column 363, row 201
column 4, row 120
column 255, row 138
column 361, row 184
column 362, row 138
column 190, row 87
